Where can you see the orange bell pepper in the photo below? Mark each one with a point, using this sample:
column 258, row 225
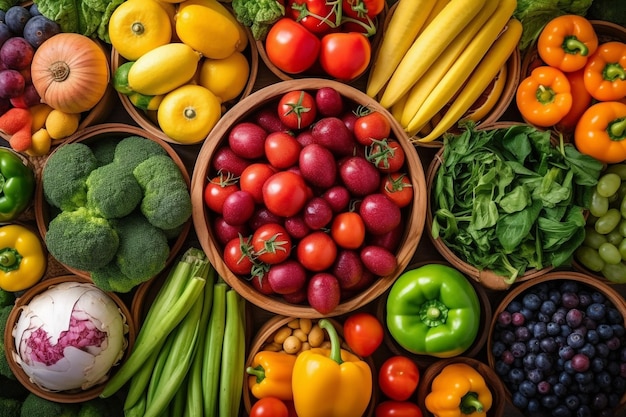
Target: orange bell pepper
column 544, row 97
column 566, row 42
column 270, row 375
column 601, row 132
column 605, row 72
column 581, row 100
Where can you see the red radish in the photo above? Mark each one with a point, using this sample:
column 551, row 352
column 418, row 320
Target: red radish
column 317, row 165
column 323, row 292
column 225, row 232
column 238, row 208
column 305, row 137
column 247, row 140
column 268, row 119
column 379, row 214
column 298, row 297
column 379, row 260
column 329, row 102
column 359, row 176
column 226, row 160
column 332, row 133
column 348, row 268
column 317, row 213
column 286, row 277
column 297, row 227
column 338, row 197
column 263, row 216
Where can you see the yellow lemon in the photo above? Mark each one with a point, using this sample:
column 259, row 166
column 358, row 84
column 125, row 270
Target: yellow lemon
column 60, row 124
column 188, row 113
column 139, row 26
column 38, row 113
column 41, row 143
column 226, row 77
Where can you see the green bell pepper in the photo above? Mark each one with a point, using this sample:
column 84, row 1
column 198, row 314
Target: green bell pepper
column 17, row 185
column 433, row 310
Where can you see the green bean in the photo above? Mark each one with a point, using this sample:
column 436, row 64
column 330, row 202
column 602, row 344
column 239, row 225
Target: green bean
column 139, row 382
column 608, row 221
column 609, row 253
column 213, row 350
column 590, row 258
column 137, row 409
column 233, row 355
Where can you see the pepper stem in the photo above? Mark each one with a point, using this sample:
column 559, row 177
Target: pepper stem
column 257, row 371
column 470, row 404
column 9, row 259
column 614, row 71
column 617, row 129
column 572, row 45
column 335, row 343
column 433, row 313
column 544, row 95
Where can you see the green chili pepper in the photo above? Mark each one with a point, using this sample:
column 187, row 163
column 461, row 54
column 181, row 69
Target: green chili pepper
column 17, row 185
column 433, row 310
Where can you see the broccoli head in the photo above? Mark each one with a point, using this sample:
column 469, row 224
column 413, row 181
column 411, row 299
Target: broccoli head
column 63, row 177
column 81, row 239
column 104, row 150
column 142, row 253
column 258, row 15
column 112, row 192
column 166, row 201
column 133, row 150
column 10, row 407
column 35, row 406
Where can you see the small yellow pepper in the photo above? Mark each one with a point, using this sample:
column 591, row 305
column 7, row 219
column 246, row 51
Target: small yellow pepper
column 22, row 258
column 270, row 375
column 331, row 382
column 459, row 390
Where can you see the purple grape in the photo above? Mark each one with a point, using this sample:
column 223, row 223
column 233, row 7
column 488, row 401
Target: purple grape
column 11, row 83
column 517, row 319
column 574, row 317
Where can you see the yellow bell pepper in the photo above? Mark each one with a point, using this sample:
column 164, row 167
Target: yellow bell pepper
column 22, row 258
column 331, row 382
column 270, row 375
column 459, row 390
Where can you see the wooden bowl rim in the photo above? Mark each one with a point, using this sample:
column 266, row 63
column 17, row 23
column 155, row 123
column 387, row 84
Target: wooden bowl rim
column 41, row 206
column 9, row 341
column 414, row 221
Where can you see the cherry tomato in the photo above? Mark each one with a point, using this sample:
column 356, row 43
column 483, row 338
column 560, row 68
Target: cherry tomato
column 253, row 177
column 316, row 251
column 291, row 47
column 285, row 193
column 360, row 8
column 237, row 256
column 371, row 125
column 398, row 409
column 365, row 25
column 282, row 150
column 269, row 407
column 398, row 377
column 348, row 230
column 387, row 155
column 271, row 243
column 345, row 55
column 398, row 188
column 363, row 333
column 217, row 189
column 261, row 283
column 297, row 109
column 318, row 16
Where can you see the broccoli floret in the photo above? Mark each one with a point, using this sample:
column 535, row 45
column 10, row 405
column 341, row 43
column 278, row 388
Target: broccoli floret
column 166, row 201
column 104, row 150
column 112, row 192
column 6, row 298
column 133, row 150
column 259, row 15
column 142, row 254
column 10, row 407
column 81, row 240
column 63, row 176
column 5, row 370
column 35, row 406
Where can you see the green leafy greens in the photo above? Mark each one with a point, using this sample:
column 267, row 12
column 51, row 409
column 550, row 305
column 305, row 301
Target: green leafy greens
column 508, row 200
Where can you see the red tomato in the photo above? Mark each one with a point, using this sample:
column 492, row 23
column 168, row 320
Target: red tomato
column 365, row 25
column 371, row 125
column 363, row 333
column 387, row 155
column 237, row 256
column 348, row 230
column 217, row 189
column 345, row 56
column 261, row 283
column 398, row 377
column 291, row 47
column 318, row 16
column 269, row 407
column 361, row 8
column 271, row 243
column 282, row 150
column 316, row 251
column 297, row 109
column 398, row 188
column 253, row 177
column 398, row 409
column 285, row 193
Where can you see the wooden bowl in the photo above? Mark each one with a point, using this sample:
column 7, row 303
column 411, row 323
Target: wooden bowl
column 426, row 360
column 10, row 349
column 413, row 219
column 108, row 131
column 493, row 383
column 264, row 337
column 147, row 119
column 590, row 284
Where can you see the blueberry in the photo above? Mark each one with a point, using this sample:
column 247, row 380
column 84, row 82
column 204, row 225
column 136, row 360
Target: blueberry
column 507, row 336
column 518, row 318
column 540, row 330
column 615, row 317
column 548, row 307
column 602, row 350
column 583, row 411
column 533, row 345
column 596, row 311
column 544, row 387
column 598, row 297
column 518, row 349
column 516, row 375
column 501, row 368
column 574, row 317
column 548, row 344
column 599, row 401
column 550, row 401
column 534, row 406
column 598, row 364
column 575, row 340
column 561, row 410
column 570, row 300
column 531, row 301
column 569, row 286
column 504, row 318
column 519, row 400
column 498, row 348
column 514, row 306
column 572, row 402
column 559, row 389
column 529, row 361
column 614, row 343
column 603, row 379
column 584, row 377
column 535, row 375
column 552, row 328
column 565, row 378
column 522, row 333
column 588, row 350
column 566, row 352
column 605, row 331
column 584, row 299
column 592, row 336
column 543, row 361
column 618, row 330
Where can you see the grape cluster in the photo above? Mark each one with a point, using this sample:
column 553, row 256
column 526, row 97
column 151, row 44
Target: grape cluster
column 560, row 349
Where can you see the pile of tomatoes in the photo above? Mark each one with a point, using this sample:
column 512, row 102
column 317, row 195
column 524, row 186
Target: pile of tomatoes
column 307, row 197
column 331, row 36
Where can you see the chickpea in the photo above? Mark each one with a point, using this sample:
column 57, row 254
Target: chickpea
column 292, row 345
column 316, row 336
column 282, row 333
column 302, row 336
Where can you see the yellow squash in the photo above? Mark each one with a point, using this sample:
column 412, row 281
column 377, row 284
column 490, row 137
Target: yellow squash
column 207, row 31
column 163, row 69
column 220, row 8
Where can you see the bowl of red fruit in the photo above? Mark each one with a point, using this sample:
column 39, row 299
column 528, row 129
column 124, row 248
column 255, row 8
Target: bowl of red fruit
column 308, row 198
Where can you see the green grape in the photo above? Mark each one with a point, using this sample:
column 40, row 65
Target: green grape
column 590, row 258
column 609, row 253
column 599, row 205
column 608, row 221
column 614, row 237
column 615, row 273
column 619, row 169
column 608, row 184
column 593, row 239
